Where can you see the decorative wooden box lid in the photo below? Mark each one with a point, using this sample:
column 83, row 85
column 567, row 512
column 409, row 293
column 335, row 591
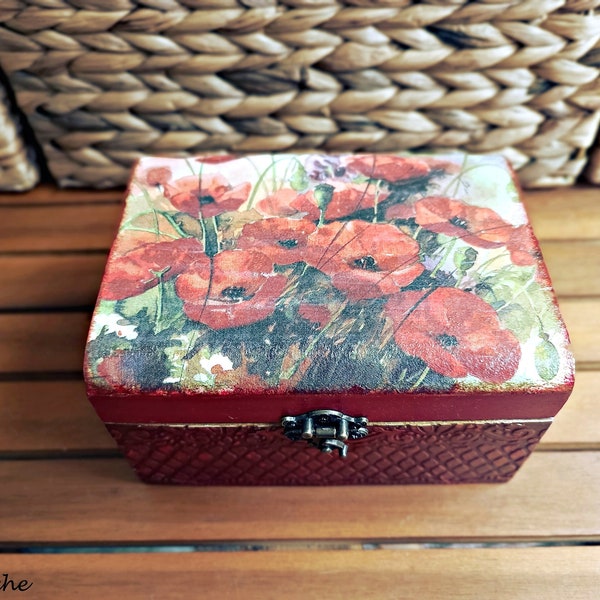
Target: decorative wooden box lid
column 402, row 288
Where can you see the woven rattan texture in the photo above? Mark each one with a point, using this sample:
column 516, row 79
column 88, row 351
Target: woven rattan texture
column 249, row 455
column 104, row 82
column 17, row 171
column 593, row 168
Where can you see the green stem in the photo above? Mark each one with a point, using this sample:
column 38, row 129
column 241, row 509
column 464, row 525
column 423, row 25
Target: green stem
column 173, row 223
column 444, row 258
column 523, row 290
column 190, row 166
column 376, row 203
column 294, row 283
column 289, row 373
column 152, row 211
column 456, row 179
column 203, row 227
column 184, row 362
column 420, row 380
column 490, row 261
column 159, row 303
column 157, row 230
column 260, row 181
column 143, row 230
column 159, row 299
column 210, row 236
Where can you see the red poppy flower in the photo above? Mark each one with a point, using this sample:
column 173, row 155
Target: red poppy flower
column 522, row 247
column 287, row 203
column 206, row 195
column 441, row 164
column 476, row 226
column 315, row 313
column 365, row 260
column 216, row 159
column 157, row 176
column 113, row 370
column 389, row 167
column 347, row 198
column 285, row 241
column 238, row 289
column 455, row 332
column 400, row 211
column 144, row 267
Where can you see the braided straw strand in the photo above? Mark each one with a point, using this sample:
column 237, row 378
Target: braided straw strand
column 17, row 171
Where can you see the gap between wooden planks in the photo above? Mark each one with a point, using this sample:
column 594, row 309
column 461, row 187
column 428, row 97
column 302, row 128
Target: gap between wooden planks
column 553, row 497
column 471, row 574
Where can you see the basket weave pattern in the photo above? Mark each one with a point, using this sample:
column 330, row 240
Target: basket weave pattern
column 17, row 171
column 593, row 168
column 105, row 82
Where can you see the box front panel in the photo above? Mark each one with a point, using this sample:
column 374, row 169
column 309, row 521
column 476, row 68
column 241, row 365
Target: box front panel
column 459, row 452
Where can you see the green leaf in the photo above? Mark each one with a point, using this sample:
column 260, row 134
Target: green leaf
column 511, row 191
column 464, row 258
column 106, row 307
column 519, row 320
column 547, row 360
column 299, row 180
column 135, row 306
column 159, row 306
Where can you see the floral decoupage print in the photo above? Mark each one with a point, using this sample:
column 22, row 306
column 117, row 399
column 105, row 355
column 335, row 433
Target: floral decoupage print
column 313, row 273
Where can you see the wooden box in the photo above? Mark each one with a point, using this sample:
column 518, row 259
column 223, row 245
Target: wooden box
column 326, row 319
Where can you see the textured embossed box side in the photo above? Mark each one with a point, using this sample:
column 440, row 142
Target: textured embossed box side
column 397, row 454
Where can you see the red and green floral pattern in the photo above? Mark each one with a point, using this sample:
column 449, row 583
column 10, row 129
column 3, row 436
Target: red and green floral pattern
column 325, row 273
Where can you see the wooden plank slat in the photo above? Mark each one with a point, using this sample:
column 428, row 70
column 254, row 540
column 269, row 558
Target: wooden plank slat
column 53, row 416
column 42, row 342
column 582, row 316
column 576, row 425
column 50, row 280
column 49, row 416
column 554, row 496
column 30, row 341
column 49, row 194
column 69, row 227
column 471, row 574
column 574, row 266
column 564, row 214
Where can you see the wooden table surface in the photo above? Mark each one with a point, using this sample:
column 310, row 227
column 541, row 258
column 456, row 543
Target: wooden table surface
column 67, row 497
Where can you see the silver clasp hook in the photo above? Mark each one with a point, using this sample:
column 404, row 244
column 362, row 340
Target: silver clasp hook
column 328, row 430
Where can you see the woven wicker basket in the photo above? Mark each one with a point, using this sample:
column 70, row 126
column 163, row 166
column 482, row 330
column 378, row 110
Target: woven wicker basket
column 17, row 170
column 106, row 81
column 593, row 169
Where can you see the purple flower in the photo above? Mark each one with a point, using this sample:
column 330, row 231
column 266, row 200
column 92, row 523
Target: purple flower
column 322, row 168
column 431, row 262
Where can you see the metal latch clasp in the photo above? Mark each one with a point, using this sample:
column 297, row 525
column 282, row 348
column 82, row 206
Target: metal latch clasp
column 325, row 429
